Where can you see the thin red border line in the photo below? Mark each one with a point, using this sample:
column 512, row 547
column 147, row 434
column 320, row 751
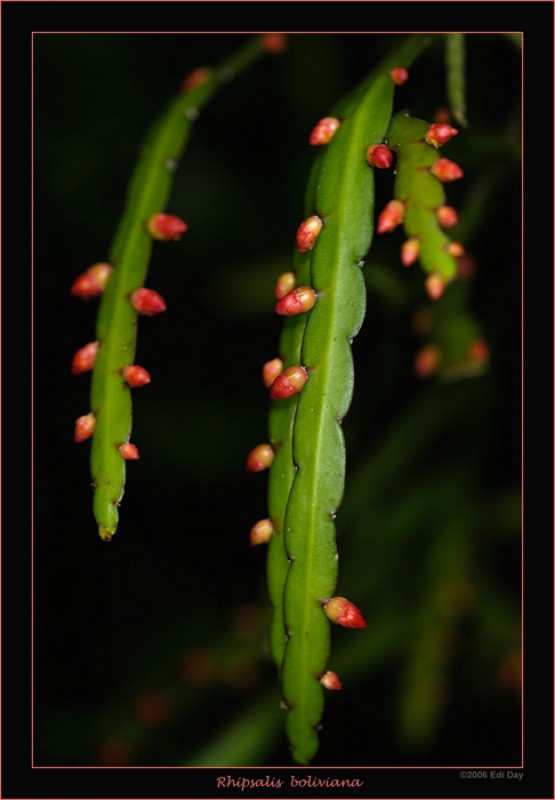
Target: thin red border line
column 255, row 33
column 362, row 767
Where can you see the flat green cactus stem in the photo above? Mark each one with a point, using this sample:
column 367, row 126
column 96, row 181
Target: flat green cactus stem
column 116, row 330
column 306, row 429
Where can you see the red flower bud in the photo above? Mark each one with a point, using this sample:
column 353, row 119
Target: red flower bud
column 195, row 78
column 274, row 42
column 478, row 350
column 435, row 285
column 391, row 217
column 439, row 133
column 166, row 227
column 399, row 75
column 136, row 376
column 84, row 427
column 324, row 131
column 92, row 282
column 409, row 252
column 84, row 359
column 307, row 233
column 128, row 451
column 284, row 284
column 148, row 302
column 427, row 361
column 261, row 532
column 342, row 612
column 455, row 249
column 446, row 170
column 271, row 370
column 380, row 156
column 288, row 383
column 260, row 458
column 301, row 299
column 447, row 216
column 330, row 680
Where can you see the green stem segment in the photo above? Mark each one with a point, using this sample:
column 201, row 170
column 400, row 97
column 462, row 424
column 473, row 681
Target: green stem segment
column 344, row 200
column 116, row 329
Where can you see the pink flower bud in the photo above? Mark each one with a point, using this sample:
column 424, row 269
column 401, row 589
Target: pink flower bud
column 324, row 131
column 391, row 217
column 435, row 285
column 307, row 233
column 84, row 427
column 284, row 284
column 478, row 350
column 166, row 227
column 271, row 370
column 439, row 133
column 195, row 78
column 262, row 532
column 92, row 282
column 288, row 383
column 301, row 299
column 260, row 458
column 148, row 302
column 128, row 451
column 136, row 376
column 446, row 170
column 330, row 680
column 380, row 156
column 455, row 249
column 274, row 42
column 84, row 359
column 447, row 216
column 342, row 612
column 427, row 361
column 409, row 252
column 399, row 75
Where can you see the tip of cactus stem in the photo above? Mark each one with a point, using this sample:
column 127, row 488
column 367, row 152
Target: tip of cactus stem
column 435, row 286
column 399, row 75
column 446, row 170
column 284, row 284
column 447, row 216
column 271, row 370
column 439, row 134
column 307, row 233
column 166, row 227
column 290, row 382
column 136, row 376
column 330, row 680
column 262, row 532
column 391, row 216
column 84, row 359
column 105, row 534
column 301, row 299
column 84, row 427
column 409, row 252
column 455, row 249
column 148, row 302
column 324, row 131
column 92, row 282
column 196, row 78
column 343, row 612
column 380, row 156
column 274, row 42
column 128, row 451
column 260, row 458
column 427, row 361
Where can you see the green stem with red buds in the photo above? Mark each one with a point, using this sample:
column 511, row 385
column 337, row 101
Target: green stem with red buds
column 116, row 329
column 341, row 194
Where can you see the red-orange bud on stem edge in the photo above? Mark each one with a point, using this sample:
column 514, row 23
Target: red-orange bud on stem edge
column 136, row 376
column 260, row 458
column 301, row 299
column 330, row 680
column 439, row 134
column 324, row 131
column 409, row 252
column 399, row 75
column 391, row 216
column 271, row 370
column 380, row 156
column 92, row 282
column 307, row 233
column 128, row 451
column 447, row 216
column 84, row 359
column 84, row 427
column 284, row 284
column 343, row 612
column 166, row 227
column 446, row 170
column 261, row 532
column 290, row 382
column 147, row 301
